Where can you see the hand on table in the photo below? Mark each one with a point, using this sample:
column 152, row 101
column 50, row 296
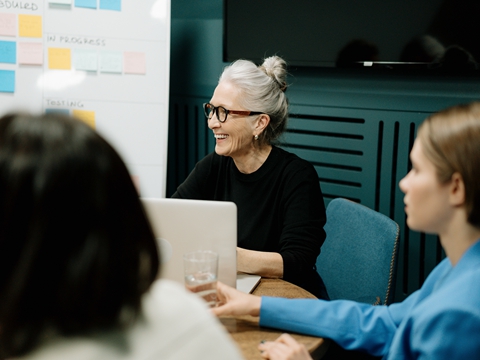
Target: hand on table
column 234, row 302
column 284, row 348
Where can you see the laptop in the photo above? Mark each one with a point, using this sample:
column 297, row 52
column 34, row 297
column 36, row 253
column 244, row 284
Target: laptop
column 182, row 225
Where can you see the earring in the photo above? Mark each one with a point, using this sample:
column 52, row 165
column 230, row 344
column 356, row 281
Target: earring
column 256, row 137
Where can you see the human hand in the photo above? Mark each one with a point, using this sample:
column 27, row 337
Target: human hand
column 233, row 302
column 284, row 348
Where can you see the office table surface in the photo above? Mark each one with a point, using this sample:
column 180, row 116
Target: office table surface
column 247, row 333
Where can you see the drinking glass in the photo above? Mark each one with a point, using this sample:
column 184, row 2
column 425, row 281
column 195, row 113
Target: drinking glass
column 201, row 269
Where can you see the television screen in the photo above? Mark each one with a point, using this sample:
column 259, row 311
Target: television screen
column 433, row 34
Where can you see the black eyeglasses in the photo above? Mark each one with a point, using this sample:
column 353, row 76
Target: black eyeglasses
column 222, row 113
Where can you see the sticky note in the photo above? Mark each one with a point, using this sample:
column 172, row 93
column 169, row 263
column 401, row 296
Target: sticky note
column 57, row 111
column 30, row 26
column 111, row 61
column 86, row 116
column 60, row 2
column 8, row 24
column 91, row 4
column 8, row 52
column 111, row 5
column 30, row 53
column 59, row 58
column 86, row 60
column 7, row 81
column 134, row 62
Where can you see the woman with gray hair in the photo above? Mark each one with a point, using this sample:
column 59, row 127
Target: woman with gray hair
column 280, row 206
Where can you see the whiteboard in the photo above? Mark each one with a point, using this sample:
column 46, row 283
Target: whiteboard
column 105, row 61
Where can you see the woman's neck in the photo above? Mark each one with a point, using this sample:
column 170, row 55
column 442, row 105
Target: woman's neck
column 252, row 161
column 458, row 238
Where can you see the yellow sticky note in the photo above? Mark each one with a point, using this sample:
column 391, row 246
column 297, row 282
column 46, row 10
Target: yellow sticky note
column 30, row 26
column 86, row 116
column 59, row 58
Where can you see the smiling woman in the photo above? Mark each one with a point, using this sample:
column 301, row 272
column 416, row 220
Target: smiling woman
column 280, row 206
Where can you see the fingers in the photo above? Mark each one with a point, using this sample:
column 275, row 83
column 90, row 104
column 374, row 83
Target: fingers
column 287, row 339
column 223, row 290
column 234, row 302
column 222, row 310
column 284, row 348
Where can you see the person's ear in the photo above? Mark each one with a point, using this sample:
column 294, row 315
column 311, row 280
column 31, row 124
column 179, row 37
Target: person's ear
column 262, row 123
column 457, row 190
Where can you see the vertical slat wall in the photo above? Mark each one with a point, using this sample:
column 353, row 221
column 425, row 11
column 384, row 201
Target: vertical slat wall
column 189, row 139
column 359, row 154
column 362, row 155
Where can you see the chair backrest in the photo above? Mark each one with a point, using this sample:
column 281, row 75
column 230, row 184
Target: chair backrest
column 359, row 257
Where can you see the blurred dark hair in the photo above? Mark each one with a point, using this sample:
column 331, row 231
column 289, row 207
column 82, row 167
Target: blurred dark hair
column 455, row 60
column 76, row 248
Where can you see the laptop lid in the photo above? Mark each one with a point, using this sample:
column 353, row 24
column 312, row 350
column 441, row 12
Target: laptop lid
column 182, row 225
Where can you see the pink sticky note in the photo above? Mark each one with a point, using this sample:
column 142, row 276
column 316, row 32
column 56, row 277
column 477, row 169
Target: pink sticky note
column 8, row 24
column 30, row 53
column 134, row 62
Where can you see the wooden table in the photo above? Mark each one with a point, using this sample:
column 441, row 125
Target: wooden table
column 247, row 333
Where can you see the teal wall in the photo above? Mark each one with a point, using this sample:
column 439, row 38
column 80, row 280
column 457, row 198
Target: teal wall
column 365, row 160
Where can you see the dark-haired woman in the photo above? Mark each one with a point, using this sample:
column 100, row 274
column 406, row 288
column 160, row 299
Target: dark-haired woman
column 78, row 259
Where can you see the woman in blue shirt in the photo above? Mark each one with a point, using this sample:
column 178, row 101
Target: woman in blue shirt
column 442, row 319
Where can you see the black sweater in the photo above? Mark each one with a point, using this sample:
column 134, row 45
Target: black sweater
column 280, row 209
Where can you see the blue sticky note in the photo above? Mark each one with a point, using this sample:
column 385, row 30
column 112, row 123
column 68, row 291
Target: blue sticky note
column 111, row 62
column 57, row 111
column 85, row 60
column 91, row 4
column 111, row 5
column 8, row 52
column 7, row 81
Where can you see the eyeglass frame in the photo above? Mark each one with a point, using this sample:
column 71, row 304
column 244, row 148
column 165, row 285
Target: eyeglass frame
column 233, row 112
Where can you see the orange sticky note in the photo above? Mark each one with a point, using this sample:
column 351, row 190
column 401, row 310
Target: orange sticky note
column 59, row 58
column 30, row 26
column 86, row 116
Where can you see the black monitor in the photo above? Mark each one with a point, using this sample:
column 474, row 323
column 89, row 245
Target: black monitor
column 431, row 35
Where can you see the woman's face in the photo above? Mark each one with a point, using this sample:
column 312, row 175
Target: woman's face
column 234, row 137
column 426, row 199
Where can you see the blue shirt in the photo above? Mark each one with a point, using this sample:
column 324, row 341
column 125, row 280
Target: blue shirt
column 439, row 321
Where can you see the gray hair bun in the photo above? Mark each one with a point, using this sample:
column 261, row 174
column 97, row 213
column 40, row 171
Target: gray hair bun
column 276, row 68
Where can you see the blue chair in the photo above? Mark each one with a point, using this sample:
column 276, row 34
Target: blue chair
column 359, row 257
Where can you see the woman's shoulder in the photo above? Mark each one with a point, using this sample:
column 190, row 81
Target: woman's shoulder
column 452, row 310
column 452, row 290
column 289, row 160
